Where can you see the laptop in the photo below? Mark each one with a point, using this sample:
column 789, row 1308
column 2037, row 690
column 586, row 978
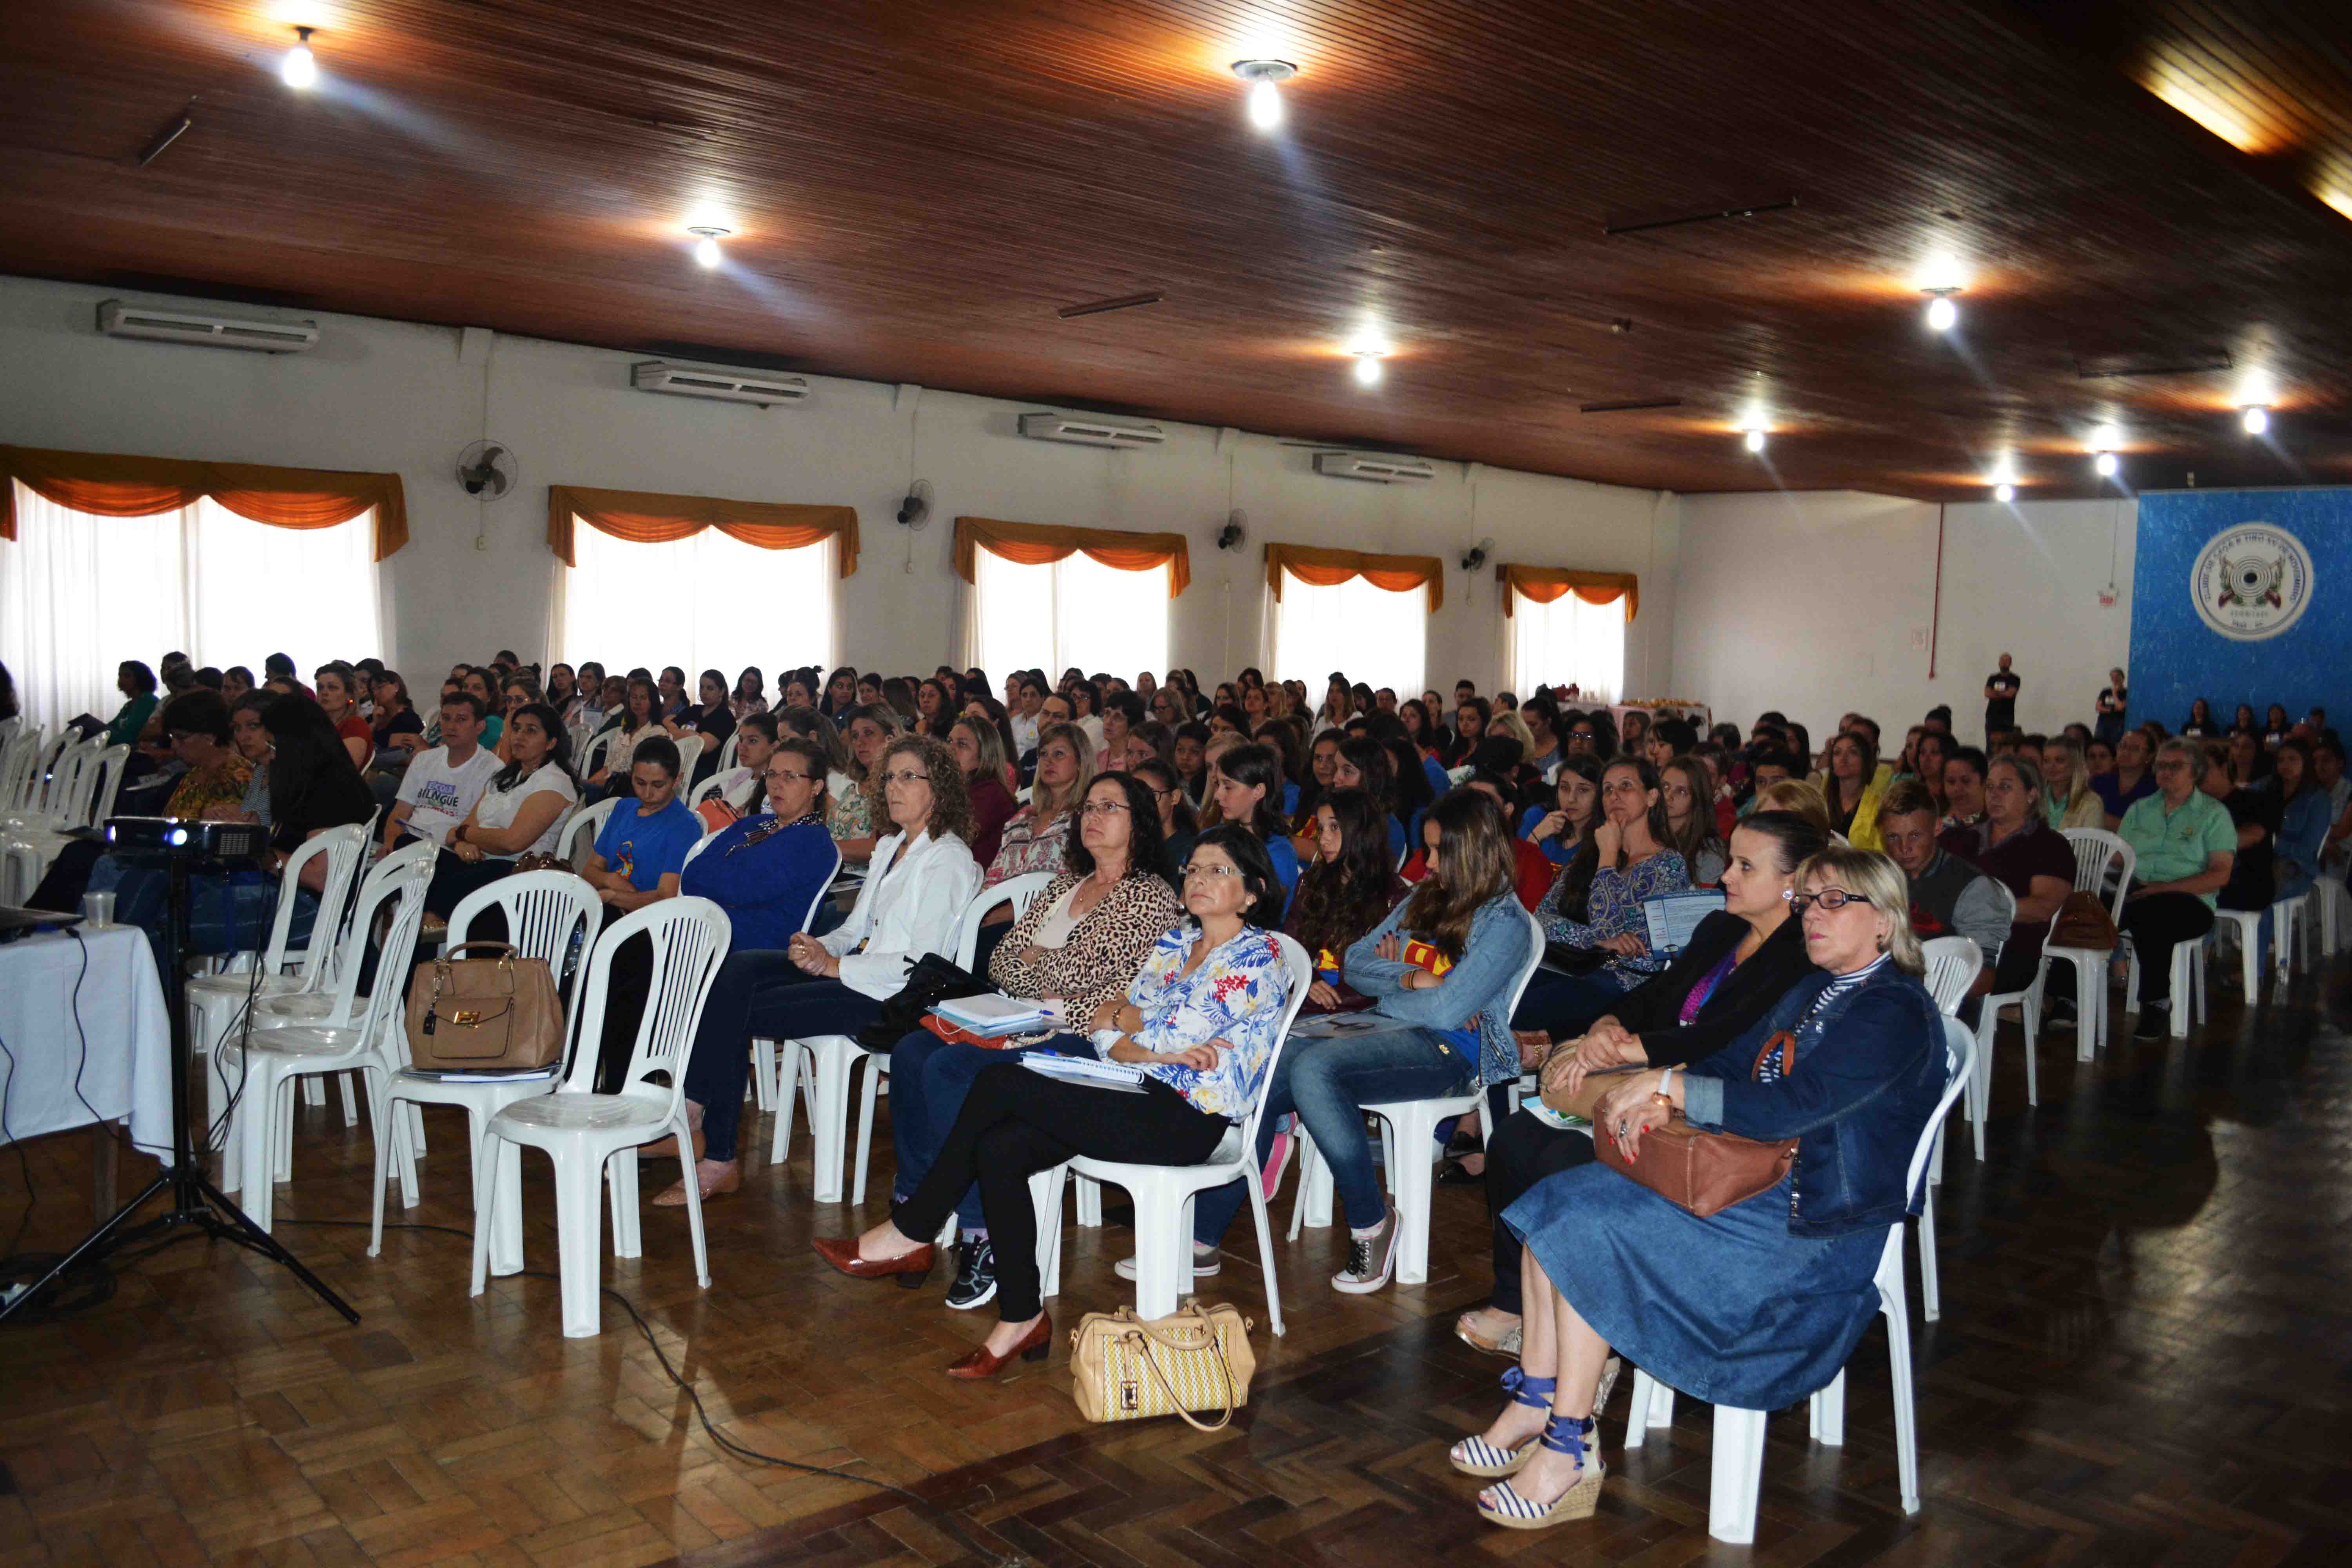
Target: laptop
column 15, row 923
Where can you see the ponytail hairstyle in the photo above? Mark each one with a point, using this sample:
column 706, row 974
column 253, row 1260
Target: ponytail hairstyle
column 764, row 725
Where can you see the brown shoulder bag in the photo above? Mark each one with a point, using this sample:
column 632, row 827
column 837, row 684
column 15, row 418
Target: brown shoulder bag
column 2083, row 923
column 495, row 1014
column 1706, row 1172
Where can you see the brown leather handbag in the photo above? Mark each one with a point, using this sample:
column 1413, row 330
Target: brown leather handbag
column 2083, row 923
column 1706, row 1172
column 495, row 1014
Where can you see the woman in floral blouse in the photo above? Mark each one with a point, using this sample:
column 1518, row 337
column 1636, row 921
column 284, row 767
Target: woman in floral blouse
column 1199, row 1025
column 1596, row 905
column 1033, row 839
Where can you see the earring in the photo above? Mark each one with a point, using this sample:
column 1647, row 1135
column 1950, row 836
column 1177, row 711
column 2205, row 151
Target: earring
column 1882, row 945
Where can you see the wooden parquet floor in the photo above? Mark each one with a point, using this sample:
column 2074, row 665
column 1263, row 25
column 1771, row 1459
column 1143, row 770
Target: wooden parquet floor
column 2145, row 1359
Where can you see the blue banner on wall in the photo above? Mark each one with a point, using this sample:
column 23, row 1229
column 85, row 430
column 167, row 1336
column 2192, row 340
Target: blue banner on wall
column 2243, row 597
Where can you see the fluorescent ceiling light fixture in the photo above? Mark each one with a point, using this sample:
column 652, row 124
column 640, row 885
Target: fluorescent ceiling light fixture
column 301, row 68
column 1265, row 93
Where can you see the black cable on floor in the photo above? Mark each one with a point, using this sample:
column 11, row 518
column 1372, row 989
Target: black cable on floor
column 946, row 1520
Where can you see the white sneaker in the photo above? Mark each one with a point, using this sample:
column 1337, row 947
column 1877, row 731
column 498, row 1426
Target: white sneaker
column 1205, row 1261
column 1372, row 1259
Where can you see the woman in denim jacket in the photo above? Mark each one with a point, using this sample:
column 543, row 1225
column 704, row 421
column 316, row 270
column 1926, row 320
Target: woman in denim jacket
column 1761, row 1304
column 1440, row 969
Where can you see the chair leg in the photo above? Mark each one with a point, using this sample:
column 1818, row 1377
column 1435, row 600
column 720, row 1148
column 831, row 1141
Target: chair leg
column 383, row 1161
column 314, row 1091
column 2090, row 1008
column 834, row 1053
column 1158, row 1264
column 1089, row 1204
column 1411, row 1179
column 350, row 1105
column 2249, row 962
column 1265, row 1251
column 486, row 1198
column 1988, row 1025
column 621, row 1179
column 875, row 1067
column 788, row 1074
column 1931, row 1298
column 255, row 1128
column 1739, row 1475
column 282, row 1169
column 390, row 1120
column 579, row 1205
column 693, row 1199
column 1826, row 1411
column 2028, row 1012
column 764, row 1074
column 1312, row 1206
column 505, row 1234
column 416, row 1130
column 1906, row 1423
column 1045, row 1199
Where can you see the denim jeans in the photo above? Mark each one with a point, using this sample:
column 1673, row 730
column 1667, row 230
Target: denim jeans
column 1328, row 1083
column 929, row 1080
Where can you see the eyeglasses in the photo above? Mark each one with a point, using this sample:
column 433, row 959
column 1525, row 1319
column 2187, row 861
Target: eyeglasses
column 775, row 776
column 1102, row 808
column 905, row 776
column 1831, row 899
column 1211, row 869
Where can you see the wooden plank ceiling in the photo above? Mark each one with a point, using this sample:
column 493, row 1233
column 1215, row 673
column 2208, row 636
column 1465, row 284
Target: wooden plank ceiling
column 915, row 186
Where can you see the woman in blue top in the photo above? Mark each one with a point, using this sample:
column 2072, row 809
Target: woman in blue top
column 1199, row 1023
column 1596, row 904
column 1567, row 827
column 1246, row 783
column 1761, row 1304
column 1439, row 970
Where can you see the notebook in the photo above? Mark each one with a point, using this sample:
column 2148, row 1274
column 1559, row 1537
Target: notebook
column 992, row 1014
column 1087, row 1070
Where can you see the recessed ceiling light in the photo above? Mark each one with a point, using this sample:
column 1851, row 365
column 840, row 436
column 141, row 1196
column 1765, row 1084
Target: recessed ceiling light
column 2004, row 492
column 1265, row 95
column 1942, row 314
column 300, row 68
column 706, row 242
column 2106, row 438
column 1368, row 367
column 2255, row 417
column 2104, row 465
column 1755, row 440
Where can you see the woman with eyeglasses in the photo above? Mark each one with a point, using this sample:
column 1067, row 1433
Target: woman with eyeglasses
column 922, row 874
column 1080, row 943
column 1199, row 1022
column 1763, row 1302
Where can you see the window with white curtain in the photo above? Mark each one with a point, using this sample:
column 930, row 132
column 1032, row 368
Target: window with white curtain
column 1375, row 636
column 1567, row 641
column 79, row 593
column 704, row 601
column 1073, row 611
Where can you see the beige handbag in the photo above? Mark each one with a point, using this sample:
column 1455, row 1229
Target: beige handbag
column 499, row 1014
column 1126, row 1368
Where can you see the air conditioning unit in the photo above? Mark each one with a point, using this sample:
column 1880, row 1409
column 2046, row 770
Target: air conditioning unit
column 116, row 320
column 1091, row 430
column 727, row 385
column 1379, row 467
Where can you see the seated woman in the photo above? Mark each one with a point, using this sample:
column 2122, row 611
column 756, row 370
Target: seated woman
column 1596, row 905
column 1740, row 961
column 1347, row 888
column 1439, row 969
column 397, row 731
column 922, row 877
column 521, row 813
column 338, row 699
column 805, row 723
column 1200, row 1021
column 742, row 790
column 858, row 815
column 1179, row 827
column 1688, row 785
column 1037, row 835
column 2303, row 819
column 1853, row 788
column 980, row 752
column 2130, row 782
column 711, row 716
column 750, row 694
column 2067, row 797
column 1081, row 943
column 2016, row 846
column 638, row 720
column 1563, row 826
column 1364, row 764
column 1763, row 1304
column 1246, row 785
column 638, row 856
column 137, row 684
column 252, row 743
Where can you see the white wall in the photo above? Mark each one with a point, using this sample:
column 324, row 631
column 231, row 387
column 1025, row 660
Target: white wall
column 1815, row 603
column 386, row 396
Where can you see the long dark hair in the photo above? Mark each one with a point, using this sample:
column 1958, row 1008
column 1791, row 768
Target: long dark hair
column 1147, row 850
column 764, row 725
column 1375, row 766
column 559, row 749
column 1474, row 862
column 1255, row 766
column 1339, row 900
column 1186, row 820
column 1247, row 852
column 307, row 752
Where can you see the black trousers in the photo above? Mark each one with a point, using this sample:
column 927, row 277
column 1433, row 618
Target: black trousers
column 760, row 991
column 1016, row 1122
column 2157, row 924
column 1524, row 1151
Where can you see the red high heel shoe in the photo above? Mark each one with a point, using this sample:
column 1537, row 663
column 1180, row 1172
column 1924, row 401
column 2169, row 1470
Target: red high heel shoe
column 1034, row 1345
column 911, row 1268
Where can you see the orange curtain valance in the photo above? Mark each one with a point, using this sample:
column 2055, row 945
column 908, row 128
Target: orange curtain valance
column 1329, row 568
column 106, row 485
column 644, row 517
column 1546, row 584
column 1039, row 543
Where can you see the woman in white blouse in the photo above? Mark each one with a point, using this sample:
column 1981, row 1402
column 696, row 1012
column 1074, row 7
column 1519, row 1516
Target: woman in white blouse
column 922, row 876
column 520, row 812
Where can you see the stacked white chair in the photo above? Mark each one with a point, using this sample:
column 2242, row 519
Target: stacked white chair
column 27, row 805
column 1164, row 1195
column 831, row 1057
column 1410, row 1148
column 344, row 1033
column 690, row 752
column 551, row 916
column 90, row 775
column 591, row 1138
column 2104, row 864
column 1739, row 1434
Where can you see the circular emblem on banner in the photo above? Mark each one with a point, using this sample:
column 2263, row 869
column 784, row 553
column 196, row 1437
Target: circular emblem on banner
column 2250, row 582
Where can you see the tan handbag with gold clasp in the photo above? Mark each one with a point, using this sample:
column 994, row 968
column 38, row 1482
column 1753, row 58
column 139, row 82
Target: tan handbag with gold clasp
column 498, row 1014
column 1126, row 1368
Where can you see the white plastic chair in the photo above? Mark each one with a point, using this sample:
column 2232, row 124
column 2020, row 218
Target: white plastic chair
column 345, row 1035
column 2328, row 893
column 578, row 840
column 2185, row 985
column 1410, row 1150
column 1739, row 1434
column 1953, row 964
column 1164, row 1195
column 27, row 806
column 551, row 916
column 690, row 752
column 2245, row 929
column 2104, row 864
column 831, row 1057
column 593, row 757
column 591, row 1137
column 763, row 1052
column 727, row 751
column 706, row 790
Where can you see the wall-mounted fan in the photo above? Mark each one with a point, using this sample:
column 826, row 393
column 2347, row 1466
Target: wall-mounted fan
column 916, row 510
column 1235, row 532
column 486, row 469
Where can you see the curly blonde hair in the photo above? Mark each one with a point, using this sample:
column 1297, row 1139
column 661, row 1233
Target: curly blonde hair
column 951, row 799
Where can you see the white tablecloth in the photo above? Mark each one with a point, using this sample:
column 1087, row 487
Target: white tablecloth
column 121, row 1051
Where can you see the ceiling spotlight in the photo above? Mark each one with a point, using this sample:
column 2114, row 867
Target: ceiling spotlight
column 1942, row 314
column 2104, row 463
column 706, row 242
column 2004, row 492
column 1265, row 96
column 300, row 68
column 1368, row 367
column 2255, row 417
column 1755, row 440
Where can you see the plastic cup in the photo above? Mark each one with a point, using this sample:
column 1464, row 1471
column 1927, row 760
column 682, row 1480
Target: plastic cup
column 98, row 910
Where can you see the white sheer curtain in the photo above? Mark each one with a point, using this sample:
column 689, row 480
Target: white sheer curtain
column 78, row 594
column 1569, row 640
column 1377, row 637
column 705, row 602
column 1075, row 611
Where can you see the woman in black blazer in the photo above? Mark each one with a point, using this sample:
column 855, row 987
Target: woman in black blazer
column 1739, row 961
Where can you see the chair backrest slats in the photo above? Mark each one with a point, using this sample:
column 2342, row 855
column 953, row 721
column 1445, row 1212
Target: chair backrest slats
column 1018, row 892
column 689, row 938
column 546, row 913
column 1953, row 964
